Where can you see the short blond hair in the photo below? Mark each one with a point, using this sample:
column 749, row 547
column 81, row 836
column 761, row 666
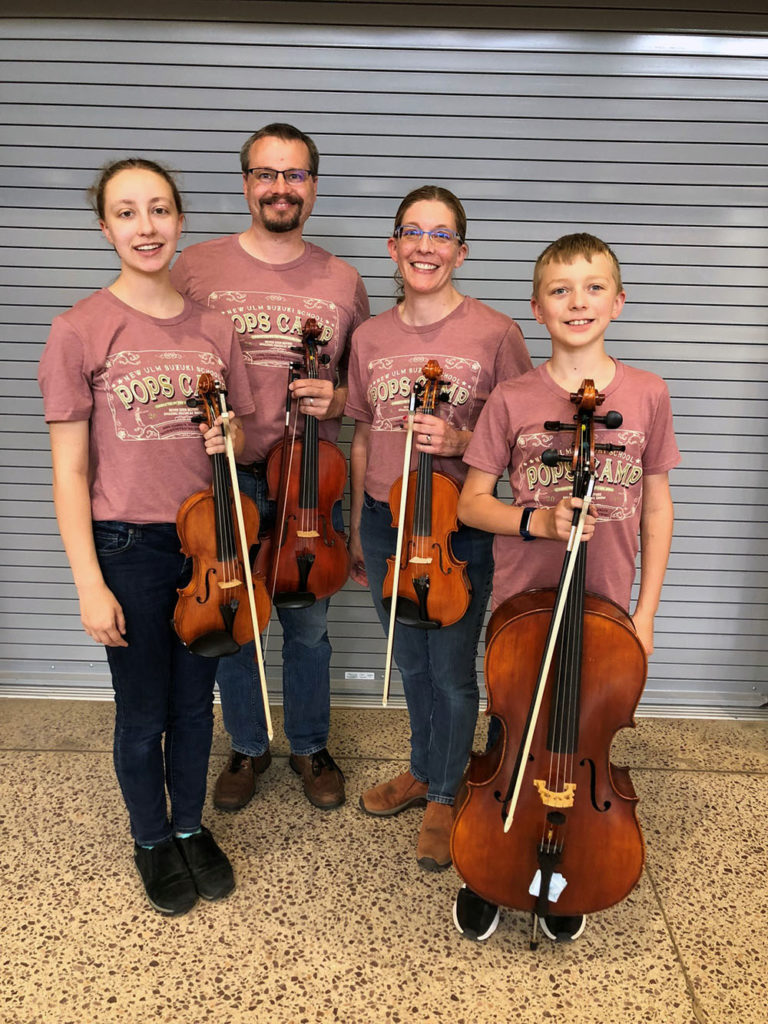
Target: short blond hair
column 570, row 247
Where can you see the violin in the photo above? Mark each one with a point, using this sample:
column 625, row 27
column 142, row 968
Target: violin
column 213, row 612
column 304, row 558
column 547, row 823
column 432, row 585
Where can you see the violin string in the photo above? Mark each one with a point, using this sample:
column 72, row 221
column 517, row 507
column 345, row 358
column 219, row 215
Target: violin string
column 312, row 482
column 223, row 519
column 222, row 508
column 309, row 464
column 424, row 485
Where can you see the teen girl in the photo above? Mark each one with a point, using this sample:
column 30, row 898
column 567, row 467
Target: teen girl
column 115, row 375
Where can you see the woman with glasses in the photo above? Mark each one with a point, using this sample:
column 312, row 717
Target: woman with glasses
column 476, row 348
column 116, row 374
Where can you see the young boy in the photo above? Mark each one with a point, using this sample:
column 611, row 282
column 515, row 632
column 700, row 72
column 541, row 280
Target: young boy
column 577, row 291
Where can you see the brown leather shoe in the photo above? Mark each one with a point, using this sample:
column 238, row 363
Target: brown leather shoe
column 237, row 783
column 323, row 779
column 394, row 796
column 434, row 848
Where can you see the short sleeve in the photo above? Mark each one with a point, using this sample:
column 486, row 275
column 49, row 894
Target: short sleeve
column 63, row 379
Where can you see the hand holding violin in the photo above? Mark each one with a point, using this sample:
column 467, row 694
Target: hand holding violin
column 437, row 437
column 214, row 436
column 315, row 397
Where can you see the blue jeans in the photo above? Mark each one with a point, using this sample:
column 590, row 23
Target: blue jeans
column 306, row 667
column 163, row 694
column 437, row 666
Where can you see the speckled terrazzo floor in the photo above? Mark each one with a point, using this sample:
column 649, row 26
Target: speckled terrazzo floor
column 332, row 921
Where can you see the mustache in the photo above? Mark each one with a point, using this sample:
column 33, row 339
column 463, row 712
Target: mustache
column 269, row 200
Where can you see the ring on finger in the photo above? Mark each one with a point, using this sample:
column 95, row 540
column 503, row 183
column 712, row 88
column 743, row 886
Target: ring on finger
column 428, row 438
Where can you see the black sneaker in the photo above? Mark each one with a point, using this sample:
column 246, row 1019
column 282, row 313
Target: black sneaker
column 474, row 917
column 208, row 865
column 166, row 879
column 563, row 929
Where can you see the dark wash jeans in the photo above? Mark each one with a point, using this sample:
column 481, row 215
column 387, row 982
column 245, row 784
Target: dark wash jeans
column 437, row 666
column 163, row 694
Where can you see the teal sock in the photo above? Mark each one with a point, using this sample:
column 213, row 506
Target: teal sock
column 186, row 835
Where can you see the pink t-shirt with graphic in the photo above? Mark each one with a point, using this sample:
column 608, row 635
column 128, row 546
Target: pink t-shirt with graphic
column 130, row 374
column 476, row 347
column 511, row 434
column 268, row 305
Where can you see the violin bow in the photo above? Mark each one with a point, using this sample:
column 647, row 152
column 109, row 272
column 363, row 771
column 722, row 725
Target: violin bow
column 246, row 561
column 399, row 545
column 554, row 629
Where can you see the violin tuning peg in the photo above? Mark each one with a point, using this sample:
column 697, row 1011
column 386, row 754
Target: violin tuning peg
column 325, row 359
column 198, row 419
column 443, row 397
column 193, row 402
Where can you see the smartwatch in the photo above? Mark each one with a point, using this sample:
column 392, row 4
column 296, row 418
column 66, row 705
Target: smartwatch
column 524, row 523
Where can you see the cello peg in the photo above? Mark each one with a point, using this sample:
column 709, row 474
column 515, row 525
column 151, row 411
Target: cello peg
column 551, row 457
column 612, row 419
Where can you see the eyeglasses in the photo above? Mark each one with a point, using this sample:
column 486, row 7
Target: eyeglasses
column 440, row 237
column 268, row 175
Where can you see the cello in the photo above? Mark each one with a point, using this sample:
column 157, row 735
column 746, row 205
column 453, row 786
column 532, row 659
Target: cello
column 548, row 824
column 304, row 559
column 431, row 585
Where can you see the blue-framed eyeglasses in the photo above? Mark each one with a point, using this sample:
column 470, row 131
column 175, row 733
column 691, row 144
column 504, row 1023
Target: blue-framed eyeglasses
column 438, row 237
column 268, row 175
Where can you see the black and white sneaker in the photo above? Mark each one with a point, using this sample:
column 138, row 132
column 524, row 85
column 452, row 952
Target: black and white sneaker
column 563, row 929
column 474, row 917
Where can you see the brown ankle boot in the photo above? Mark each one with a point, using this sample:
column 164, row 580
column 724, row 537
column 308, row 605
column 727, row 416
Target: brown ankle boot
column 434, row 848
column 394, row 796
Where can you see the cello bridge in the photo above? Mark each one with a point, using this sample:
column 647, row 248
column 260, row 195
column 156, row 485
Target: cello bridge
column 555, row 798
column 307, row 533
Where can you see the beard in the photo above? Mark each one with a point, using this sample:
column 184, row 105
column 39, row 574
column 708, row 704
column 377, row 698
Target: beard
column 278, row 223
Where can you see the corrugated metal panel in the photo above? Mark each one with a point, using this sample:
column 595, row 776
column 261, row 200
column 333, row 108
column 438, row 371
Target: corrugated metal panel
column 656, row 142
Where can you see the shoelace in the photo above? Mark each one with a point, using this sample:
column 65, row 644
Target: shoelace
column 322, row 760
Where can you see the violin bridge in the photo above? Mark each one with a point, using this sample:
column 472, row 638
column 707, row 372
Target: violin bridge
column 229, row 584
column 555, row 798
column 418, row 560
